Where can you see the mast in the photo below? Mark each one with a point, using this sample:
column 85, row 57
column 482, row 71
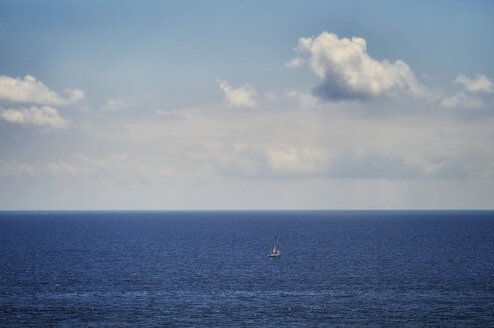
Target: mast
column 276, row 249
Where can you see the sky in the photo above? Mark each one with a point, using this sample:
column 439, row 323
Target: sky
column 246, row 105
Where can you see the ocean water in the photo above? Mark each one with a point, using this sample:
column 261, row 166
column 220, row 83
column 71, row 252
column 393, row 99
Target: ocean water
column 209, row 269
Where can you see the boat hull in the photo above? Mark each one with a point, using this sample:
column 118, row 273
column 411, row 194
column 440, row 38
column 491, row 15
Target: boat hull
column 273, row 255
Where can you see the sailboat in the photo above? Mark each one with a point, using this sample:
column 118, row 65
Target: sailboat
column 276, row 249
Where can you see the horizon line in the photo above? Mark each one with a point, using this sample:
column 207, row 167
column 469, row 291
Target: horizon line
column 246, row 210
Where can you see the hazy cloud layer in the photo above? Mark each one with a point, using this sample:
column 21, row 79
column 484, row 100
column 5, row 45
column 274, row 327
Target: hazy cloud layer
column 40, row 116
column 29, row 90
column 348, row 72
column 244, row 96
column 212, row 157
column 302, row 143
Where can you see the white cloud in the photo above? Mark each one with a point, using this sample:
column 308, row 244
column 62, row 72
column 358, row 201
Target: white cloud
column 461, row 100
column 244, row 96
column 297, row 160
column 29, row 90
column 40, row 116
column 480, row 83
column 115, row 105
column 466, row 98
column 348, row 72
column 14, row 168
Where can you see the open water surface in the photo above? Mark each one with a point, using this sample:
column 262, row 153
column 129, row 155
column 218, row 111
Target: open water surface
column 208, row 269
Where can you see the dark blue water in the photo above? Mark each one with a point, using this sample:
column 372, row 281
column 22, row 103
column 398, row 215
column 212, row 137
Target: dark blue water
column 208, row 269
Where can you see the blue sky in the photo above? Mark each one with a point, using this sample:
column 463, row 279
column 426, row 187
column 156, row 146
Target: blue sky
column 246, row 104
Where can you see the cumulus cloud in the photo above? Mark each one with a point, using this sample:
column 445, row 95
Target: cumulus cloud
column 479, row 83
column 41, row 116
column 29, row 90
column 348, row 72
column 244, row 96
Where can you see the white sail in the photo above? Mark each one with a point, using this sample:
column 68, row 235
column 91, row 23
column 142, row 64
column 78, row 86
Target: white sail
column 276, row 249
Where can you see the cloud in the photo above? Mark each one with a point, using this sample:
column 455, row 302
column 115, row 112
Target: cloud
column 480, row 83
column 469, row 97
column 115, row 105
column 40, row 116
column 297, row 160
column 461, row 100
column 348, row 72
column 15, row 169
column 244, row 96
column 29, row 90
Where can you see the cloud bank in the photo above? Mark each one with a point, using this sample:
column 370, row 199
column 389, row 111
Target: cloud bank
column 348, row 72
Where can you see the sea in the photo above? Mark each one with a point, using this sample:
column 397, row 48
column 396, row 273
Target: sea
column 209, row 269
